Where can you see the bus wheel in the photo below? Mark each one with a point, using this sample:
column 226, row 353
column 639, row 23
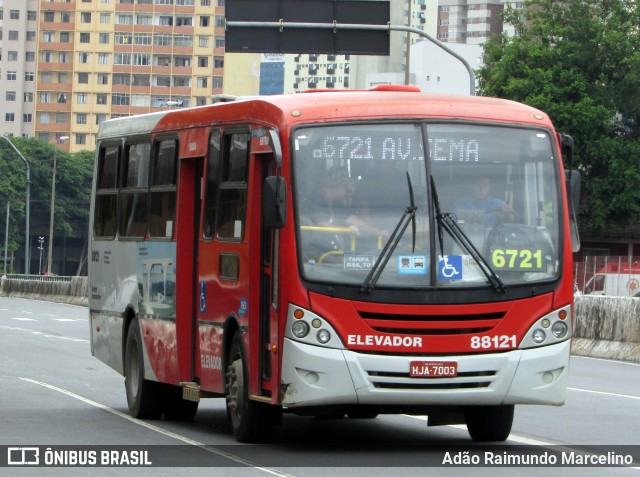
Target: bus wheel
column 489, row 423
column 176, row 408
column 250, row 421
column 143, row 396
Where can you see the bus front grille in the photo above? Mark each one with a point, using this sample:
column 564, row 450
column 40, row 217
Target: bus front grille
column 432, row 324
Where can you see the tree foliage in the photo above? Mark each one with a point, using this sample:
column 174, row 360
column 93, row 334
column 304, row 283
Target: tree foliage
column 73, row 190
column 579, row 61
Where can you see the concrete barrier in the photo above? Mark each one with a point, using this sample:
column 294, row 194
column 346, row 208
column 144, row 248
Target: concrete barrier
column 605, row 326
column 57, row 289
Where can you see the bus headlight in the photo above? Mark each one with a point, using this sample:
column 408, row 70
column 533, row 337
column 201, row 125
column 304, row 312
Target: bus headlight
column 550, row 329
column 323, row 336
column 559, row 329
column 539, row 336
column 300, row 329
column 310, row 328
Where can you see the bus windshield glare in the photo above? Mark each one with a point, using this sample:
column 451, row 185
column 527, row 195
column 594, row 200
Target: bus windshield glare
column 355, row 183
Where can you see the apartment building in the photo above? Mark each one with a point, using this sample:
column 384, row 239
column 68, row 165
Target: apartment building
column 100, row 59
column 18, row 42
column 469, row 21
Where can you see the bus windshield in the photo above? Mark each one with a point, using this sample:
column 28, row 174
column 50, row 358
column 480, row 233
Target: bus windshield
column 365, row 194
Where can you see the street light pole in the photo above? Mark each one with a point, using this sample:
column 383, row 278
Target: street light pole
column 61, row 140
column 27, row 239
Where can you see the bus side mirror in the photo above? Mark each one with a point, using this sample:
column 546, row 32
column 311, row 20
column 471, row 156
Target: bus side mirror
column 274, row 202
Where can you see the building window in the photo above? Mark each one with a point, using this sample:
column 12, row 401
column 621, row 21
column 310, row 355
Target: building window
column 83, row 78
column 62, row 98
column 12, row 56
column 83, row 57
column 28, row 97
column 14, row 14
column 103, row 58
column 12, row 76
column 81, row 139
column 82, row 98
column 219, row 42
column 203, row 41
column 124, row 19
column 105, row 18
column 10, row 95
column 217, row 82
column 64, row 57
column 9, row 117
column 203, row 61
column 85, row 37
column 65, row 37
column 61, row 118
column 45, row 118
column 101, row 98
column 102, row 78
column 14, row 35
column 29, row 76
column 31, row 36
column 119, row 99
column 103, row 38
column 85, row 17
column 204, row 20
column 202, row 82
column 100, row 117
column 48, row 37
column 27, row 118
column 81, row 118
column 218, row 61
column 32, row 15
column 48, row 17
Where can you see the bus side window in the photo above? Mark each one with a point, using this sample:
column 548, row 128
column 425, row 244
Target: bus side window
column 104, row 219
column 162, row 207
column 233, row 189
column 211, row 187
column 135, row 191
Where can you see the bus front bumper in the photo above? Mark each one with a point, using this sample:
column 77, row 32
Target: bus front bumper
column 315, row 376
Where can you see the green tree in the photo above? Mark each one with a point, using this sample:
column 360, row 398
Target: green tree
column 579, row 61
column 73, row 190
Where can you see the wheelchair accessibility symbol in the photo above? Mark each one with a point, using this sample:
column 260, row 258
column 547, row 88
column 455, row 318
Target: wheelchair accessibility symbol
column 450, row 267
column 203, row 297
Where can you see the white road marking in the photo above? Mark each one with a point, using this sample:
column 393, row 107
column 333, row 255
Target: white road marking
column 63, row 319
column 40, row 333
column 24, row 319
column 157, row 429
column 604, row 393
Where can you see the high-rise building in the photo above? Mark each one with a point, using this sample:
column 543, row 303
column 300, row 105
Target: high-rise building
column 469, row 21
column 18, row 27
column 100, row 59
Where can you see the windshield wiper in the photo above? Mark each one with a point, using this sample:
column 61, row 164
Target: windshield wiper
column 447, row 221
column 409, row 215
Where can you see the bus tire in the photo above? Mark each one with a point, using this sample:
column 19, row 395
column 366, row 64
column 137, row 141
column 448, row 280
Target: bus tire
column 489, row 423
column 175, row 408
column 143, row 396
column 250, row 421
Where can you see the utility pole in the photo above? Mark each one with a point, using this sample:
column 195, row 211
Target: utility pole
column 60, row 140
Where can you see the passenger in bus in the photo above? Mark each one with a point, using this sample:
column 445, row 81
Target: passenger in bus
column 480, row 207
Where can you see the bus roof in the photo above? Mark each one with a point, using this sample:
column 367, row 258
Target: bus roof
column 323, row 106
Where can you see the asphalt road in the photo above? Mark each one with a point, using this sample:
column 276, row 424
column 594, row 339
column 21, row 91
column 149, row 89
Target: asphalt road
column 55, row 395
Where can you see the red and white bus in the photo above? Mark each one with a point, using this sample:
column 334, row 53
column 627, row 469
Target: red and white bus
column 321, row 254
